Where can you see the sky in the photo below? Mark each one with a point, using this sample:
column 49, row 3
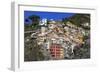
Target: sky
column 48, row 15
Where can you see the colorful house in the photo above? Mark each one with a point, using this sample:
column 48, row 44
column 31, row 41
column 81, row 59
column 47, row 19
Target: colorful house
column 56, row 51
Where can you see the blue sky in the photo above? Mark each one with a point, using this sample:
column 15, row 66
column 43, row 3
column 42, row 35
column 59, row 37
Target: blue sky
column 48, row 15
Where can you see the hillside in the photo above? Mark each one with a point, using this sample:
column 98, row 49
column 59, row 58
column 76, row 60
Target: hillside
column 79, row 20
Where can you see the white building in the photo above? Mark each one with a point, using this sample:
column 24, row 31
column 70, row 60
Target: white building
column 43, row 23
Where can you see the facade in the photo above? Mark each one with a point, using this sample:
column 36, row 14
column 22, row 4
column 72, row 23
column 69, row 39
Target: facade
column 56, row 51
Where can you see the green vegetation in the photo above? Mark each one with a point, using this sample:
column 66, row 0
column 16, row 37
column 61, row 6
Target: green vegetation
column 78, row 20
column 35, row 22
column 32, row 51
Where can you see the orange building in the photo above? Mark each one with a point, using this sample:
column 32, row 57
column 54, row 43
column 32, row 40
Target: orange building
column 56, row 51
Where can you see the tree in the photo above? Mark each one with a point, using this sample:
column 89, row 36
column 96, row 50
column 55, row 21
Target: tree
column 35, row 20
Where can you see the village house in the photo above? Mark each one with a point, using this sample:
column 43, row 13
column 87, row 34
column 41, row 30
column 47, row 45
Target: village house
column 55, row 40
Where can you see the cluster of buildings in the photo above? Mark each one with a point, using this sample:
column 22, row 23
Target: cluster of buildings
column 58, row 40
